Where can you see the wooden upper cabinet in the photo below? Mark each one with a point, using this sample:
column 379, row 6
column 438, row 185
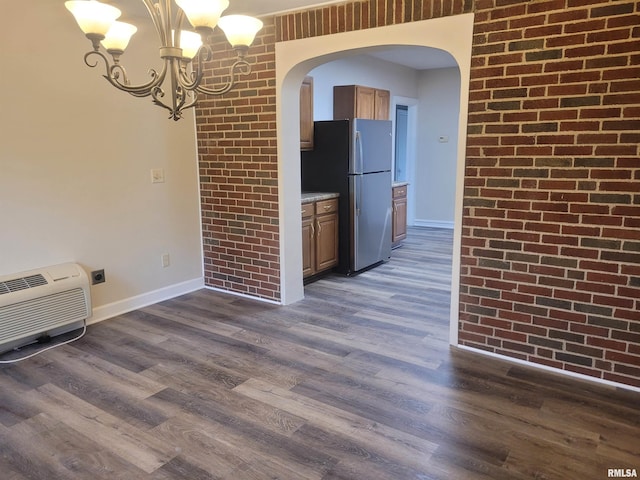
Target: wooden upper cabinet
column 364, row 103
column 306, row 114
column 357, row 101
column 382, row 104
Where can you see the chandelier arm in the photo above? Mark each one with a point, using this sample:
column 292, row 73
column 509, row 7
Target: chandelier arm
column 240, row 67
column 177, row 98
column 156, row 94
column 190, row 82
column 175, row 113
column 156, row 18
column 166, row 25
column 116, row 75
column 180, row 16
column 193, row 102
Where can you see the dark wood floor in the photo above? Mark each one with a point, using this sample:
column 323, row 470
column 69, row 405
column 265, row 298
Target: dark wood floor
column 355, row 382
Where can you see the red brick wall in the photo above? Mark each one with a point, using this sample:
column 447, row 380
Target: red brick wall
column 551, row 236
column 238, row 174
column 551, row 225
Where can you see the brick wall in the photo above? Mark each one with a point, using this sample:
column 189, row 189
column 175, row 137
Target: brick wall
column 551, row 237
column 238, row 174
column 361, row 15
column 551, row 224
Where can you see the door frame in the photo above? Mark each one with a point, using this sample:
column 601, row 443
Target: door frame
column 294, row 59
column 412, row 140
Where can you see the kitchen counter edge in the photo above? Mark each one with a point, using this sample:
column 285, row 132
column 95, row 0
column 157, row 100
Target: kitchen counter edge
column 310, row 197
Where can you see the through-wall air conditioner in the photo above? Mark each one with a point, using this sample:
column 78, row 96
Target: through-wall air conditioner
column 41, row 301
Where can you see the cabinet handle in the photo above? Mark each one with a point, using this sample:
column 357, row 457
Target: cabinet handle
column 302, row 212
column 313, row 230
column 319, row 228
column 327, row 207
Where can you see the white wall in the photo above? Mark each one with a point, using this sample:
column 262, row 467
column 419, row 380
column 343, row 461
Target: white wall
column 436, row 162
column 359, row 70
column 75, row 160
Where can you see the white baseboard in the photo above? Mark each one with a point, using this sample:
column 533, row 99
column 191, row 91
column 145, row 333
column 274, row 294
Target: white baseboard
column 243, row 295
column 557, row 371
column 114, row 309
column 433, row 224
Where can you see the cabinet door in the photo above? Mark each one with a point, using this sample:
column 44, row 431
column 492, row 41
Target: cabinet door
column 365, row 102
column 326, row 241
column 308, row 247
column 306, row 114
column 399, row 219
column 382, row 102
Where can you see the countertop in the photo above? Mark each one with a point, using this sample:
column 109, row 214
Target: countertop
column 310, row 197
column 399, row 184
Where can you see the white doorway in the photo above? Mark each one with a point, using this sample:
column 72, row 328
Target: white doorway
column 400, row 173
column 405, row 155
column 293, row 60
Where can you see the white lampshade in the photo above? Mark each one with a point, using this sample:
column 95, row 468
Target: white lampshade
column 190, row 43
column 118, row 36
column 93, row 17
column 240, row 29
column 203, row 13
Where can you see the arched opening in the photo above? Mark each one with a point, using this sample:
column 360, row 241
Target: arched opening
column 293, row 60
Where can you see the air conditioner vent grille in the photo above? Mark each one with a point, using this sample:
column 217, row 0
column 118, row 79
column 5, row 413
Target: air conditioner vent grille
column 42, row 313
column 22, row 283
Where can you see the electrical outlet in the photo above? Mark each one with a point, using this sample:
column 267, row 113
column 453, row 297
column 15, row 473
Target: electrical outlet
column 157, row 175
column 164, row 258
column 97, row 276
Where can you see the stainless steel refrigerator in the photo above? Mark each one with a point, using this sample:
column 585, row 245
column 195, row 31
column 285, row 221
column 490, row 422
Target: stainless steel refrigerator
column 353, row 158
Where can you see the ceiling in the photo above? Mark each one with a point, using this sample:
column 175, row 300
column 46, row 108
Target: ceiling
column 418, row 58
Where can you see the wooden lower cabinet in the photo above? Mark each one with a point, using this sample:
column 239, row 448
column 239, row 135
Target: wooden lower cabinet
column 399, row 225
column 319, row 236
column 308, row 236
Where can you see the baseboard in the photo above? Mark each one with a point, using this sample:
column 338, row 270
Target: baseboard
column 114, row 309
column 557, row 371
column 433, row 224
column 243, row 295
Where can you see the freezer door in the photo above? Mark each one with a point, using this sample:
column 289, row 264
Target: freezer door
column 370, row 146
column 371, row 213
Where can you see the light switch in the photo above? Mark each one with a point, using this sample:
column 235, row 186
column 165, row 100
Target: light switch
column 443, row 138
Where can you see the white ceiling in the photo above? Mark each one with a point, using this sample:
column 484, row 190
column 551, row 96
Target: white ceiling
column 418, row 58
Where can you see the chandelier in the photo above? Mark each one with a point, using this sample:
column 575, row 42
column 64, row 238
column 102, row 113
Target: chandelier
column 182, row 51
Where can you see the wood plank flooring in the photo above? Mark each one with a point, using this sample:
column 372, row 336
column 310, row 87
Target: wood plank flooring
column 357, row 381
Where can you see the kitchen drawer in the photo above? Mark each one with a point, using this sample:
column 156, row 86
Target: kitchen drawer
column 399, row 191
column 307, row 210
column 327, row 206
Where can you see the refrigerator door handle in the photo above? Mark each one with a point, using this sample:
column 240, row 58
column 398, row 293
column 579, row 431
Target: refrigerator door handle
column 359, row 164
column 358, row 194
